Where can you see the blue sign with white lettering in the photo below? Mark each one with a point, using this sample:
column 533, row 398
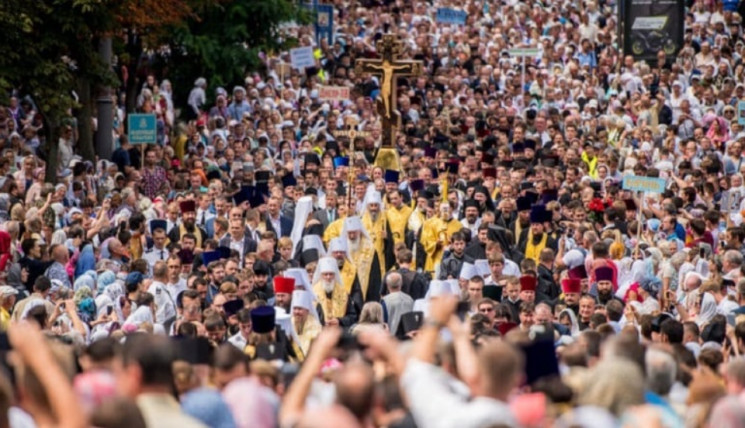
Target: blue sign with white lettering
column 142, row 129
column 451, row 16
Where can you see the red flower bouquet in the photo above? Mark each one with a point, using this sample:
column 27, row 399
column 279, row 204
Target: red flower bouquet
column 596, row 209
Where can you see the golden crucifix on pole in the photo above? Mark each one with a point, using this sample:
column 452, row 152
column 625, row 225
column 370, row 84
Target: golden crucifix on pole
column 388, row 67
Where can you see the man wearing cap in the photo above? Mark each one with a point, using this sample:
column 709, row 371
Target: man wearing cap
column 572, row 290
column 334, row 304
column 273, row 343
column 188, row 224
column 376, row 225
column 397, row 214
column 437, row 232
column 471, row 220
column 534, row 240
column 419, row 201
column 365, row 260
column 528, row 284
column 522, row 221
column 337, row 249
column 305, row 321
column 283, row 288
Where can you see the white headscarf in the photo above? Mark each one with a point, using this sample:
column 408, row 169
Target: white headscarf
column 702, row 267
column 33, row 303
column 59, row 237
column 573, row 258
column 683, row 272
column 303, row 209
column 573, row 318
column 708, row 309
column 103, row 301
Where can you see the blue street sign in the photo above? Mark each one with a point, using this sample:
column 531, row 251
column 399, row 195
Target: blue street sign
column 142, row 129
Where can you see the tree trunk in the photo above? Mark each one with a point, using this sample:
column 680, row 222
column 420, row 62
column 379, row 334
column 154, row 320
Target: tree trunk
column 134, row 49
column 84, row 115
column 51, row 131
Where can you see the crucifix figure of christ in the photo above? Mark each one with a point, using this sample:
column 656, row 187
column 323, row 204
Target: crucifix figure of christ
column 389, row 67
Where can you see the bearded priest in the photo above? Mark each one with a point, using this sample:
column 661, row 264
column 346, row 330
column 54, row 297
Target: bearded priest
column 334, row 305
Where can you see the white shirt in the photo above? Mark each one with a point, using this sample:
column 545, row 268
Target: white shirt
column 163, row 300
column 276, row 224
column 155, row 255
column 726, row 306
column 175, row 289
column 171, row 225
column 434, row 404
column 511, row 268
column 203, row 216
column 237, row 245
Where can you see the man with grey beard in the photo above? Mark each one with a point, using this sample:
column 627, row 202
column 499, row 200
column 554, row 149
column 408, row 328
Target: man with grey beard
column 365, row 261
column 336, row 308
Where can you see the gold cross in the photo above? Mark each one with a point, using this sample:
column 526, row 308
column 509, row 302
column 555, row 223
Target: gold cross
column 389, row 67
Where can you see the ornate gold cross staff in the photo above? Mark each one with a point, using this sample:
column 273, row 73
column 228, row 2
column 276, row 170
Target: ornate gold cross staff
column 389, row 67
column 350, row 131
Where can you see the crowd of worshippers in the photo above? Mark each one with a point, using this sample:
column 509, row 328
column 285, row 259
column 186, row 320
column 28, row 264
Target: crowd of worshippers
column 257, row 268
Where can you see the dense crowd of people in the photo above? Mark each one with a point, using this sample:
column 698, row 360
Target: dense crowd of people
column 256, row 268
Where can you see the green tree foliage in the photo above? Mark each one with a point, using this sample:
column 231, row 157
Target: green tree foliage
column 46, row 42
column 50, row 48
column 224, row 43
